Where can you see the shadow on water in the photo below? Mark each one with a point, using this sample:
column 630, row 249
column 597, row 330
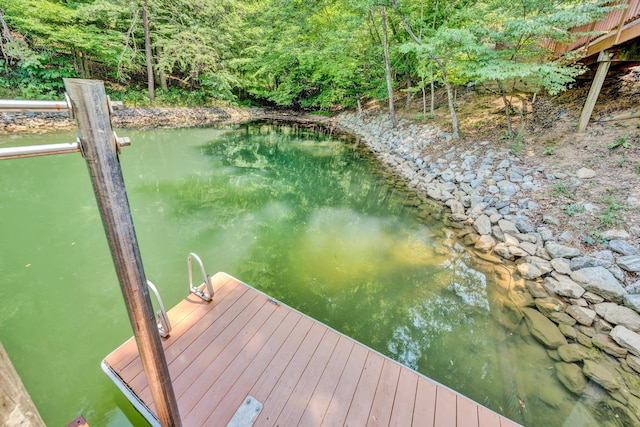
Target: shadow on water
column 313, row 221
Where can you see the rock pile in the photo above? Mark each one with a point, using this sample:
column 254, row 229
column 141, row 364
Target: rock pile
column 582, row 307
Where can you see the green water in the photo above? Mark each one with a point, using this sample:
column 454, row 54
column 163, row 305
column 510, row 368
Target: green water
column 312, row 221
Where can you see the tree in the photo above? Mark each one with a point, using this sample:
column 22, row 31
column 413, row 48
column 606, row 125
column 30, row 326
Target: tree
column 387, row 66
column 521, row 31
column 443, row 45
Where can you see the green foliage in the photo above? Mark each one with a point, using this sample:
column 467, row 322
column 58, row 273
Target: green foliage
column 312, row 55
column 561, row 190
column 572, row 208
column 611, row 214
column 620, row 142
column 550, row 150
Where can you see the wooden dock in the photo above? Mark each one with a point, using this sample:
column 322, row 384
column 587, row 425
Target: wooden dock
column 245, row 345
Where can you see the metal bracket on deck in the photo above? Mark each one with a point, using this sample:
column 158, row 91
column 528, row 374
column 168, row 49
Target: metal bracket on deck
column 246, row 413
column 164, row 326
column 206, row 279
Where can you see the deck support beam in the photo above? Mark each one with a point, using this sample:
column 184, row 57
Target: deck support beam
column 604, row 62
column 90, row 107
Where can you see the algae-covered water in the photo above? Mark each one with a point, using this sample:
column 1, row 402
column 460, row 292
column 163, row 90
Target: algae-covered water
column 312, row 220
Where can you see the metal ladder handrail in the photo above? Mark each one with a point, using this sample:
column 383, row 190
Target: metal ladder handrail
column 206, row 279
column 164, row 325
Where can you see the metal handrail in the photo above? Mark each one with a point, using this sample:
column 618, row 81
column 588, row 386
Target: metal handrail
column 38, row 106
column 206, row 279
column 49, row 149
column 164, row 326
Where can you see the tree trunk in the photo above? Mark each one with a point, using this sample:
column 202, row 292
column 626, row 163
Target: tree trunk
column 387, row 67
column 507, row 108
column 433, row 97
column 409, row 86
column 452, row 105
column 452, row 110
column 147, row 51
column 424, row 100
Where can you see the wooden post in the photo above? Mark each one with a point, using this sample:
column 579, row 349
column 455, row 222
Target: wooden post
column 98, row 145
column 604, row 62
column 16, row 407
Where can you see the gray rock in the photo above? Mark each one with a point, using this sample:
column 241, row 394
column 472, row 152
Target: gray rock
column 561, row 265
column 568, row 331
column 581, row 262
column 633, row 362
column 605, row 343
column 602, row 374
column 529, row 271
column 604, row 255
column 508, row 227
column 618, row 315
column 633, row 302
column 575, row 353
column 545, row 233
column 601, row 282
column 503, row 250
column 623, row 247
column 523, row 225
column 543, row 265
column 585, row 173
column 548, row 305
column 543, row 329
column 627, row 339
column 516, row 251
column 515, row 176
column 529, row 248
column 634, row 288
column 482, row 225
column 565, row 236
column 485, row 243
column 629, row 263
column 592, row 298
column 536, row 289
column 508, row 188
column 563, row 285
column 583, row 315
column 562, row 318
column 571, row 376
column 617, row 273
column 560, row 251
column 614, row 235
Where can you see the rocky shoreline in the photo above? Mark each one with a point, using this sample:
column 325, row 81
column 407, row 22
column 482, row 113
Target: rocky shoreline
column 584, row 308
column 141, row 118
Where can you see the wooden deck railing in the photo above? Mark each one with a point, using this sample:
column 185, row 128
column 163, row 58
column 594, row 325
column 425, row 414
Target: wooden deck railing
column 618, row 26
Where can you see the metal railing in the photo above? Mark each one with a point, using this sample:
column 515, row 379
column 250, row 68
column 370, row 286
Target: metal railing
column 89, row 105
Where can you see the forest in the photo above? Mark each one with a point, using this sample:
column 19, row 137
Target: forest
column 321, row 55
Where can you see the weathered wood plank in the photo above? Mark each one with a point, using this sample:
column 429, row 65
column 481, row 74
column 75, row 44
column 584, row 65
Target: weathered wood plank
column 323, row 393
column 404, row 403
column 382, row 405
column 16, row 407
column 365, row 391
column 346, row 387
column 467, row 412
column 425, row 407
column 445, row 408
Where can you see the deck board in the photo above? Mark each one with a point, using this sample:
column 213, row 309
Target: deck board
column 304, row 373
